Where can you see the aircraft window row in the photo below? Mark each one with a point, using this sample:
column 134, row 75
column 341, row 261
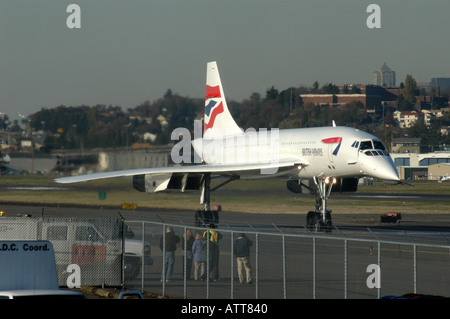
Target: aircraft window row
column 355, row 144
column 375, row 153
column 268, row 143
column 367, row 145
column 296, row 142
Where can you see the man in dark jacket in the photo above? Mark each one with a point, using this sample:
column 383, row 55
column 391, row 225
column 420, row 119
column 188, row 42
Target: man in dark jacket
column 242, row 253
column 171, row 241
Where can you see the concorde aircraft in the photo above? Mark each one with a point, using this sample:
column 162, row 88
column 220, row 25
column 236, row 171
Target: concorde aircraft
column 315, row 161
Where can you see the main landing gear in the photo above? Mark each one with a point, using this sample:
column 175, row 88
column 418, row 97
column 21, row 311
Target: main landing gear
column 208, row 217
column 320, row 219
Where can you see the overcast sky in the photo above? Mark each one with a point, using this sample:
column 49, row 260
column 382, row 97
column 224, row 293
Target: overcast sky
column 130, row 51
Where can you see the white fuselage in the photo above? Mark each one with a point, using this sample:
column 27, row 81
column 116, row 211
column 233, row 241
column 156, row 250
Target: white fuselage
column 322, row 151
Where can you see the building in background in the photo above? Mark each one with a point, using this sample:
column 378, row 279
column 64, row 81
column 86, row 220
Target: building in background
column 423, row 166
column 372, row 97
column 405, row 145
column 440, row 84
column 384, row 76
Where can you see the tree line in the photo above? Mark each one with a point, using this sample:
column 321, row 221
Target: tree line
column 110, row 126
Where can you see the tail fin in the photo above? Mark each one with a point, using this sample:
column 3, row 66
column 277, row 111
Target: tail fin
column 218, row 121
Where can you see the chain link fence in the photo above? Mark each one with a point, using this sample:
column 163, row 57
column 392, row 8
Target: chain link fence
column 298, row 263
column 286, row 262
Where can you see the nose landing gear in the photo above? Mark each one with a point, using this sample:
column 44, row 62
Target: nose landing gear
column 320, row 219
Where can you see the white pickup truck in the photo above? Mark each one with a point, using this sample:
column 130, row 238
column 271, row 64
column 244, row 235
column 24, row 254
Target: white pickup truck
column 98, row 250
column 134, row 249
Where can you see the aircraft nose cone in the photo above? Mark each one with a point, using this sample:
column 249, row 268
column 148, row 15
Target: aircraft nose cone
column 382, row 168
column 390, row 174
column 387, row 171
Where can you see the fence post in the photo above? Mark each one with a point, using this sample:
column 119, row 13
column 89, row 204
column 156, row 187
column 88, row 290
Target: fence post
column 185, row 264
column 163, row 279
column 257, row 266
column 415, row 268
column 284, row 260
column 143, row 259
column 123, row 254
column 232, row 264
column 379, row 267
column 208, row 263
column 284, row 268
column 256, row 262
column 346, row 269
column 314, row 267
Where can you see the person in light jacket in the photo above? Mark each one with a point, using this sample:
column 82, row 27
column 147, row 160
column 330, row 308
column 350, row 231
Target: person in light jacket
column 199, row 257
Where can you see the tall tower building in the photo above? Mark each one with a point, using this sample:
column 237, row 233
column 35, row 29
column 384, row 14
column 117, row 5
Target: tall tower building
column 384, row 76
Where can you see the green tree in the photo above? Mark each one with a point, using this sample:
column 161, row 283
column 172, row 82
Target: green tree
column 315, row 88
column 168, row 94
column 330, row 89
column 355, row 90
column 272, row 93
column 345, row 89
column 407, row 99
column 409, row 92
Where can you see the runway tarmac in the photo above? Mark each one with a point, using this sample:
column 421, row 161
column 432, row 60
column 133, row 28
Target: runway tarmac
column 417, row 222
column 419, row 227
column 395, row 197
column 397, row 262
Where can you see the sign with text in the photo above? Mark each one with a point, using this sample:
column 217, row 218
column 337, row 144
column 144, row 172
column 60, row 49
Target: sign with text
column 27, row 265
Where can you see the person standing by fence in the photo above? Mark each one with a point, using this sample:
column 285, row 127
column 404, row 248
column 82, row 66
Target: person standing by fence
column 242, row 253
column 171, row 241
column 187, row 243
column 214, row 251
column 199, row 256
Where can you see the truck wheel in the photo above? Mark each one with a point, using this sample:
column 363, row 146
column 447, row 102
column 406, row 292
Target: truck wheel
column 132, row 267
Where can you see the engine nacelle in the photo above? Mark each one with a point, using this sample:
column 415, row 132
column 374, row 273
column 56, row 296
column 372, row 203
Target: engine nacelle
column 152, row 183
column 301, row 186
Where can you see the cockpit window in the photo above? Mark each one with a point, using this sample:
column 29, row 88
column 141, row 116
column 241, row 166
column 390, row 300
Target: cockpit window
column 366, row 145
column 372, row 153
column 378, row 145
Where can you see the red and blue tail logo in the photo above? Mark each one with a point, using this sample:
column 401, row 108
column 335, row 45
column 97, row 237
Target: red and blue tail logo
column 212, row 108
column 334, row 140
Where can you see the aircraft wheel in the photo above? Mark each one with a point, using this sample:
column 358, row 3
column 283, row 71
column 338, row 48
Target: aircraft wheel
column 328, row 226
column 319, row 225
column 311, row 219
